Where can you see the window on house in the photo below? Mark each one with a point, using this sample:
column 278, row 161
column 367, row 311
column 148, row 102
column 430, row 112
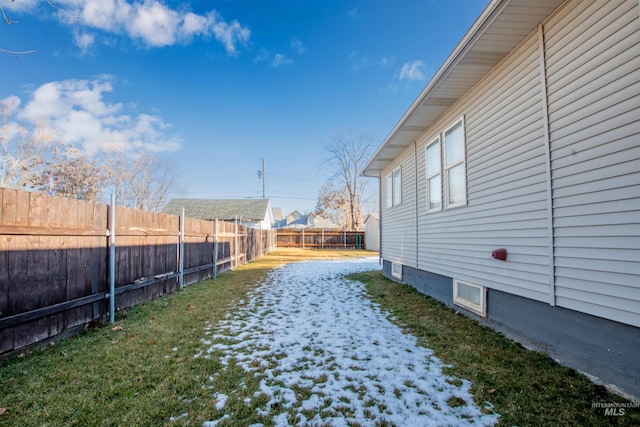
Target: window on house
column 454, row 166
column 397, row 187
column 470, row 296
column 396, row 270
column 389, row 191
column 434, row 181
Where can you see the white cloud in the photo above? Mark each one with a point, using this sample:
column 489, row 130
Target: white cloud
column 412, row 71
column 9, row 105
column 230, row 34
column 76, row 112
column 194, row 24
column 277, row 60
column 154, row 23
column 100, row 14
column 361, row 60
column 280, row 59
column 297, row 46
column 83, row 40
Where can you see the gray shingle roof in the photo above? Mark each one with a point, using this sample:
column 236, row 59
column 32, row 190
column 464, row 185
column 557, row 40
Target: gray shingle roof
column 223, row 209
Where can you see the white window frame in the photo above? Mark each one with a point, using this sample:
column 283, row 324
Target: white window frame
column 435, row 175
column 390, row 190
column 397, row 186
column 480, row 309
column 458, row 163
column 396, row 270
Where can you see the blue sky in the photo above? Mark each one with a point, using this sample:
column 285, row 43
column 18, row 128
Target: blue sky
column 218, row 85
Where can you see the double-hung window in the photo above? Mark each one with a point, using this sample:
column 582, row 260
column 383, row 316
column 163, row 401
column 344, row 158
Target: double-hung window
column 446, row 171
column 434, row 181
column 394, row 188
column 455, row 175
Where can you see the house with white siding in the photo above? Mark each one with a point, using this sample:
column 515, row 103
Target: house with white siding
column 510, row 188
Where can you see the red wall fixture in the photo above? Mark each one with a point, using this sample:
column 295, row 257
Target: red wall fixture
column 500, row 254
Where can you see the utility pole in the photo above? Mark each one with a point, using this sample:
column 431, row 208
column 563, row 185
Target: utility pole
column 261, row 176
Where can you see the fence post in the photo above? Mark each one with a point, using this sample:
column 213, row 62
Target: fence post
column 181, row 253
column 303, row 238
column 215, row 250
column 112, row 259
column 323, row 238
column 235, row 244
column 344, row 238
column 245, row 245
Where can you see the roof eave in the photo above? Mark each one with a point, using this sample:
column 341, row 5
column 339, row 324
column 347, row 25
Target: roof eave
column 470, row 59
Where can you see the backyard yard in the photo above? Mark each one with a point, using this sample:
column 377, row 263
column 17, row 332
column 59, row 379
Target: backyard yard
column 327, row 341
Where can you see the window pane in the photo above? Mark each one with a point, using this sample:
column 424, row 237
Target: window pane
column 433, row 158
column 397, row 187
column 456, row 184
column 470, row 293
column 454, row 145
column 435, row 193
column 389, row 192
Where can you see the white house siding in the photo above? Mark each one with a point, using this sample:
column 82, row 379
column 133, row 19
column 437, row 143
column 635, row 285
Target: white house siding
column 372, row 233
column 399, row 225
column 593, row 74
column 506, row 186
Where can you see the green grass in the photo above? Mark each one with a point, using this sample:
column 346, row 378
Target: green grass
column 144, row 372
column 527, row 388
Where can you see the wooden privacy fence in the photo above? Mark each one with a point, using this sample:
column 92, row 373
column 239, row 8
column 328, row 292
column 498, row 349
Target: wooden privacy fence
column 65, row 263
column 320, row 239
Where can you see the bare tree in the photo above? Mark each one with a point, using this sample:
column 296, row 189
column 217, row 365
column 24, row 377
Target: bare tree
column 8, row 20
column 348, row 154
column 332, row 205
column 22, row 151
column 71, row 174
column 141, row 180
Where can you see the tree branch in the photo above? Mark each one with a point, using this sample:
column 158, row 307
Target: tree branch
column 16, row 54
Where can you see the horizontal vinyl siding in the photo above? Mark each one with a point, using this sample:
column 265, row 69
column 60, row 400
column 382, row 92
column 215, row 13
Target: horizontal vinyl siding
column 593, row 73
column 399, row 225
column 506, row 186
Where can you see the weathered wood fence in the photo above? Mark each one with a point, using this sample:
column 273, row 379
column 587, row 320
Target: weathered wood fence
column 63, row 264
column 320, row 239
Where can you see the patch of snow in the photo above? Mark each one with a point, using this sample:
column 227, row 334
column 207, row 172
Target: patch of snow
column 307, row 327
column 221, row 400
column 214, row 423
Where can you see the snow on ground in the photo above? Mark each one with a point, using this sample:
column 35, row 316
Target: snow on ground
column 307, row 327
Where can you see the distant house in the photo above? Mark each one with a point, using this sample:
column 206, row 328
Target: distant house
column 372, row 232
column 292, row 217
column 297, row 220
column 277, row 214
column 248, row 212
column 510, row 188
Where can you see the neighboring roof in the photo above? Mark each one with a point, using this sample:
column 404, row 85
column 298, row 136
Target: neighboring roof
column 317, row 222
column 295, row 214
column 500, row 28
column 297, row 220
column 223, row 209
